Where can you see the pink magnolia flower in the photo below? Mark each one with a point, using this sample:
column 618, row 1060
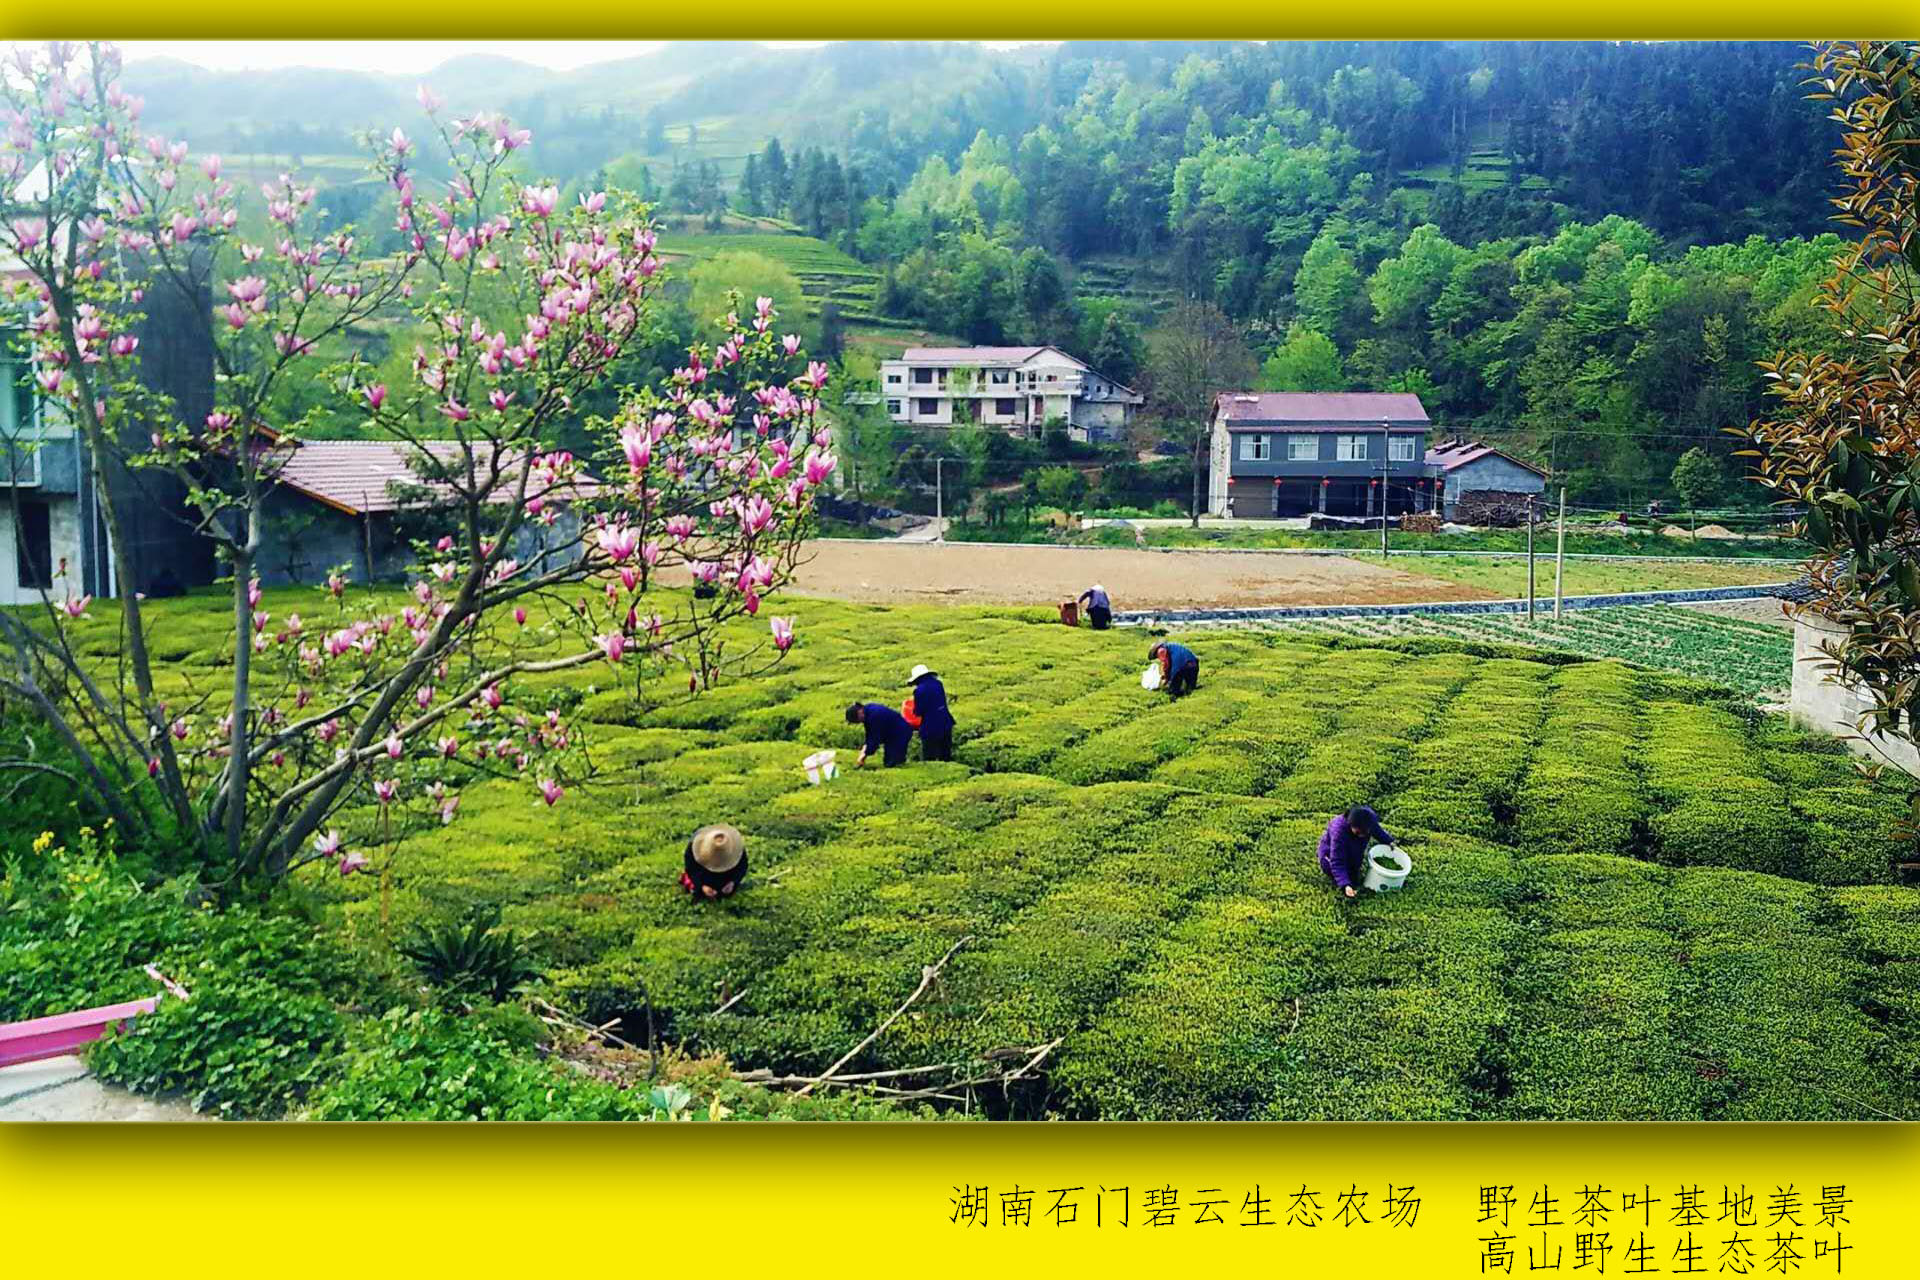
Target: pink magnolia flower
column 430, row 101
column 124, row 345
column 449, row 747
column 540, row 202
column 353, row 862
column 790, row 343
column 782, row 629
column 638, row 444
column 423, row 696
column 520, row 615
column 326, row 843
column 614, row 645
column 819, row 467
column 329, row 730
column 76, row 607
column 757, row 515
column 248, row 289
column 394, row 747
column 551, row 791
column 385, row 789
column 180, row 730
column 491, row 696
column 455, row 410
column 816, row 375
column 448, row 807
column 376, row 396
column 619, row 542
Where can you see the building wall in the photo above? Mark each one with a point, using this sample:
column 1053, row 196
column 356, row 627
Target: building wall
column 1491, row 473
column 63, row 527
column 1820, row 703
column 1328, row 463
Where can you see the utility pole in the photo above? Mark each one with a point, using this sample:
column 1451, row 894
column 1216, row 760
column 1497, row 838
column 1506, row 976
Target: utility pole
column 939, row 505
column 1560, row 555
column 1529, row 560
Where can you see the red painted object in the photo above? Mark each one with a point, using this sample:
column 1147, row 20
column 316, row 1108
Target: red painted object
column 63, row 1033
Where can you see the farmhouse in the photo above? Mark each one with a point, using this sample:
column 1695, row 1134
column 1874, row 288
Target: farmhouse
column 52, row 527
column 1018, row 388
column 358, row 505
column 1476, row 476
column 1291, row 453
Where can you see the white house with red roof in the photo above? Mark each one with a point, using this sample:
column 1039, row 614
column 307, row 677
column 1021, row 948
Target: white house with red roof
column 1020, row 389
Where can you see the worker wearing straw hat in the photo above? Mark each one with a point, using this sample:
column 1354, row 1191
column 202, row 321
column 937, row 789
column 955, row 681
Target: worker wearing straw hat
column 716, row 862
column 930, row 710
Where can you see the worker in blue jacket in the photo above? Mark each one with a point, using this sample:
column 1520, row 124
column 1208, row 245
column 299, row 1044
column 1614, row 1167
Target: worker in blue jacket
column 1179, row 668
column 887, row 730
column 929, row 704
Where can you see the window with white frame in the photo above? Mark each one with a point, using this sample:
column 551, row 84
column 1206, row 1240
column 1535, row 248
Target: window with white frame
column 893, row 379
column 893, row 407
column 1351, row 449
column 1253, row 448
column 1400, row 448
column 999, row 377
column 1303, row 448
column 928, row 407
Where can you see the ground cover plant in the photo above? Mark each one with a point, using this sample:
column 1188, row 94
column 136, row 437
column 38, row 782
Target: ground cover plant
column 1614, row 867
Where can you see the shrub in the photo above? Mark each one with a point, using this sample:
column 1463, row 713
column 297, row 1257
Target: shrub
column 471, row 956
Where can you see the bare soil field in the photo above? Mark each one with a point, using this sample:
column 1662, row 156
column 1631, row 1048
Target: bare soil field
column 962, row 573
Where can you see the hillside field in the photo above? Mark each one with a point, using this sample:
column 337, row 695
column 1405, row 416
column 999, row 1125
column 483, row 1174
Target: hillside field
column 1633, row 898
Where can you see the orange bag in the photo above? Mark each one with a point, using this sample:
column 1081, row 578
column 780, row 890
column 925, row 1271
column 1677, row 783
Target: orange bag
column 912, row 716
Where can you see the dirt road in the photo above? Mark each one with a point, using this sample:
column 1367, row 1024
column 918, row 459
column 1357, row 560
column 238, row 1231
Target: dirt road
column 888, row 572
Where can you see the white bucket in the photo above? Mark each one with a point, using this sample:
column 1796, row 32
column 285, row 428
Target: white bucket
column 1150, row 678
column 820, row 767
column 1387, row 867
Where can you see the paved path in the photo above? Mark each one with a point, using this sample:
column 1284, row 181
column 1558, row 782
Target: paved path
column 61, row 1089
column 928, row 532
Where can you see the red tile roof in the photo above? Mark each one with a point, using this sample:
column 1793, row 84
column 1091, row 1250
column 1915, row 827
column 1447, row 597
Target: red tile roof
column 1306, row 408
column 361, row 476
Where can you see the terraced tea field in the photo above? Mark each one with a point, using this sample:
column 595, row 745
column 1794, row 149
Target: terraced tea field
column 1632, row 896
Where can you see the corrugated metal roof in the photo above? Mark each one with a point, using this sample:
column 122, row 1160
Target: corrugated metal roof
column 361, row 476
column 1456, row 454
column 1305, row 408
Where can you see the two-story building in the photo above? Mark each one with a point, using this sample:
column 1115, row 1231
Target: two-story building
column 1020, row 389
column 1294, row 453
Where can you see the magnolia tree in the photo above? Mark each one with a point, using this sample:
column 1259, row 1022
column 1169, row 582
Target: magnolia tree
column 1845, row 436
column 521, row 304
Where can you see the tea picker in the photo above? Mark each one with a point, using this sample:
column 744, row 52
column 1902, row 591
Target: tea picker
column 1174, row 668
column 716, row 862
column 887, row 732
column 1357, row 852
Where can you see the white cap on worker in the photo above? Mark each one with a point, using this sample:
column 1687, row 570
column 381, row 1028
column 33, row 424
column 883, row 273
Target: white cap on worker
column 916, row 673
column 1098, row 587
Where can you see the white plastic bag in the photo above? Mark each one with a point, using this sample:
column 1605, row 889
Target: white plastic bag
column 1150, row 678
column 820, row 767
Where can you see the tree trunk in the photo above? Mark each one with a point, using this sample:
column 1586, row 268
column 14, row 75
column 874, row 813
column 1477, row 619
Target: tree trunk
column 1199, row 470
column 239, row 767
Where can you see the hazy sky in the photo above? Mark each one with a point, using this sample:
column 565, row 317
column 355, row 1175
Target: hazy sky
column 402, row 57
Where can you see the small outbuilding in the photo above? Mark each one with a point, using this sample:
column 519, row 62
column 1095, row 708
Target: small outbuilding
column 1477, row 477
column 362, row 504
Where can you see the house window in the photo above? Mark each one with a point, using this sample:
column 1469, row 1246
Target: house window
column 999, row 377
column 893, row 379
column 1400, row 448
column 1303, row 448
column 893, row 407
column 1253, row 448
column 1352, row 449
column 929, row 407
column 33, row 547
column 923, row 376
column 1005, row 408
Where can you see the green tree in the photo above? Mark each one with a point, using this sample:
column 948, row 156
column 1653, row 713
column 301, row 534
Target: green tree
column 1306, row 361
column 1061, row 487
column 1328, row 287
column 1117, row 352
column 751, row 275
column 1697, row 479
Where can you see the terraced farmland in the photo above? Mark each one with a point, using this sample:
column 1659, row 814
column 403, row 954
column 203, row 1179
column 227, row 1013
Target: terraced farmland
column 1753, row 657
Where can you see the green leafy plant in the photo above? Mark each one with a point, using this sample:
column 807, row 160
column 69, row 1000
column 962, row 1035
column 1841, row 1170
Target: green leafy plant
column 471, row 956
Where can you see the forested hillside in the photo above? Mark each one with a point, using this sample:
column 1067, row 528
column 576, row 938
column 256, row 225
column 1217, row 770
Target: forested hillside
column 1579, row 248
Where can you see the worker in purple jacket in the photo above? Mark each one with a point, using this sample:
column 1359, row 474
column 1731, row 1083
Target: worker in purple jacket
column 1343, row 848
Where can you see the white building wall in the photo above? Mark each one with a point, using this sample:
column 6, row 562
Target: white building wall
column 63, row 522
column 1217, row 470
column 1821, row 703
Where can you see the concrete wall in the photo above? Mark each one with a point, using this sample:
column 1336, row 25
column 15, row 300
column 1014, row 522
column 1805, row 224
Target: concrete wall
column 1491, row 473
column 63, row 524
column 1822, row 704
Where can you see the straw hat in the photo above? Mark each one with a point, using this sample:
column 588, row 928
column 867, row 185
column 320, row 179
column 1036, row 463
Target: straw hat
column 718, row 848
column 913, row 676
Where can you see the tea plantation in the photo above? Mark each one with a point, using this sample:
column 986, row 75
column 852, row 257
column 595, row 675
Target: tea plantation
column 1633, row 897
